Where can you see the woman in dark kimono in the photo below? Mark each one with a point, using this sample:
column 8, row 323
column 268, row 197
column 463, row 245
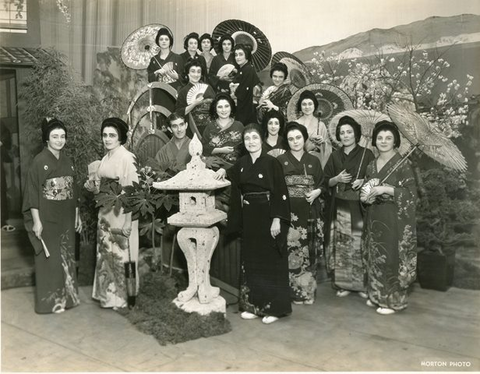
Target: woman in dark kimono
column 243, row 84
column 206, row 47
column 304, row 179
column 259, row 208
column 344, row 173
column 224, row 56
column 191, row 44
column 51, row 214
column 166, row 67
column 389, row 236
column 273, row 126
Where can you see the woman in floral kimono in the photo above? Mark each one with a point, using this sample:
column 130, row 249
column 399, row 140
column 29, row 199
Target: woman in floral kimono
column 223, row 136
column 344, row 175
column 117, row 234
column 389, row 236
column 51, row 215
column 259, row 209
column 304, row 178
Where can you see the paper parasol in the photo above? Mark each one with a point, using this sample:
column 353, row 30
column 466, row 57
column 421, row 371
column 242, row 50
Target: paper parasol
column 421, row 134
column 298, row 73
column 331, row 100
column 225, row 70
column 245, row 33
column 367, row 120
column 139, row 47
column 198, row 89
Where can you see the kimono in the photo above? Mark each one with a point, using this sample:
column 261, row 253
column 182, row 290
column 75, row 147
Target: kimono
column 114, row 249
column 389, row 237
column 187, row 57
column 247, row 79
column 325, row 149
column 279, row 145
column 258, row 195
column 279, row 96
column 50, row 188
column 215, row 137
column 217, row 62
column 344, row 220
column 161, row 97
column 305, row 235
column 172, row 159
column 208, row 56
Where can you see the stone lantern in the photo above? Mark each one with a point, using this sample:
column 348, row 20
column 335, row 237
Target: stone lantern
column 197, row 237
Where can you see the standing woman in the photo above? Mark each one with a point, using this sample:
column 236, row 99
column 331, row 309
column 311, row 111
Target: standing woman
column 224, row 56
column 117, row 234
column 344, row 175
column 317, row 131
column 206, row 46
column 243, row 83
column 223, row 136
column 304, row 179
column 273, row 124
column 389, row 235
column 190, row 44
column 259, row 209
column 51, row 214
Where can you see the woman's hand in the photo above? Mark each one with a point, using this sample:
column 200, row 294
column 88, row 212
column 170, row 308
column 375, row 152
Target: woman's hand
column 357, row 183
column 160, row 71
column 37, row 228
column 226, row 78
column 78, row 222
column 220, row 174
column 223, row 150
column 92, row 185
column 343, row 177
column 275, row 228
column 172, row 74
column 312, row 195
column 269, row 105
column 127, row 229
column 317, row 139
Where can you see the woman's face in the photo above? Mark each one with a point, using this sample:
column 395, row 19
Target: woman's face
column 347, row 135
column 192, row 45
column 164, row 41
column 110, row 137
column 278, row 77
column 273, row 126
column 253, row 141
column 308, row 106
column 227, row 46
column 385, row 141
column 295, row 140
column 56, row 139
column 223, row 109
column 194, row 74
column 206, row 45
column 240, row 57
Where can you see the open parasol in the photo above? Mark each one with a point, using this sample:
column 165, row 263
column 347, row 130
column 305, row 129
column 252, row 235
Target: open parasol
column 331, row 100
column 139, row 47
column 298, row 73
column 245, row 33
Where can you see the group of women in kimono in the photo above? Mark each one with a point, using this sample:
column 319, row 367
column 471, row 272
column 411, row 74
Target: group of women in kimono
column 292, row 198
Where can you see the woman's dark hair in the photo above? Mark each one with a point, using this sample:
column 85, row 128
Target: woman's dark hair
column 347, row 120
column 386, row 126
column 202, row 38
column 213, row 105
column 296, row 126
column 222, row 39
column 279, row 66
column 173, row 117
column 246, row 48
column 253, row 127
column 307, row 95
column 119, row 125
column 49, row 125
column 273, row 114
column 164, row 31
column 191, row 63
column 192, row 35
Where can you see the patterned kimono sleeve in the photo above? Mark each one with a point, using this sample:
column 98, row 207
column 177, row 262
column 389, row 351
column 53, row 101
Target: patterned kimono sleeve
column 279, row 199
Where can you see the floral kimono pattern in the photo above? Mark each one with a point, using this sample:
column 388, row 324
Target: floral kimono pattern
column 389, row 238
column 216, row 137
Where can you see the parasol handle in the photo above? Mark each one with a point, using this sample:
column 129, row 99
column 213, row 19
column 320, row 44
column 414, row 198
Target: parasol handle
column 361, row 162
column 150, row 112
column 400, row 162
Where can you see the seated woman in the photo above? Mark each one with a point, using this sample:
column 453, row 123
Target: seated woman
column 275, row 97
column 344, row 175
column 304, row 179
column 318, row 141
column 273, row 123
column 259, row 209
column 206, row 47
column 224, row 56
column 243, row 85
column 190, row 44
column 223, row 136
column 389, row 235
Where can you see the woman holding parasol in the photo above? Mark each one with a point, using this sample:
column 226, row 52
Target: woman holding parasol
column 304, row 179
column 389, row 236
column 344, row 173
